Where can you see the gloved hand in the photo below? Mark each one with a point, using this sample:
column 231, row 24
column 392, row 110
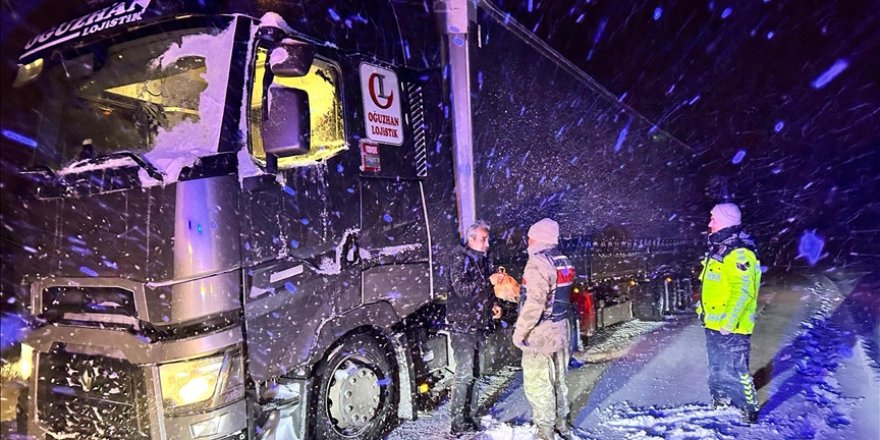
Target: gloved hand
column 724, row 331
column 496, row 312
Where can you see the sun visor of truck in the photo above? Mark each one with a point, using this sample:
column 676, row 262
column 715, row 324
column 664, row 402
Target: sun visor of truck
column 90, row 22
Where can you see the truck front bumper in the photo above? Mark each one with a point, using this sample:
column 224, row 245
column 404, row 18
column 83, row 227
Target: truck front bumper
column 93, row 383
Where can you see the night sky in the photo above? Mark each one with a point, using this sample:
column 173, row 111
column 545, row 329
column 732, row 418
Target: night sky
column 781, row 99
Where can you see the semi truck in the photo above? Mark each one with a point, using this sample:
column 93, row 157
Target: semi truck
column 236, row 217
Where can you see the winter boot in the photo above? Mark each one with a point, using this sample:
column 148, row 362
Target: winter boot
column 473, row 424
column 472, row 414
column 566, row 433
column 749, row 416
column 721, row 402
column 546, row 433
column 460, row 425
column 462, row 402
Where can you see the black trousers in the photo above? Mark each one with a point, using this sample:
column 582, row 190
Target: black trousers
column 463, row 407
column 729, row 377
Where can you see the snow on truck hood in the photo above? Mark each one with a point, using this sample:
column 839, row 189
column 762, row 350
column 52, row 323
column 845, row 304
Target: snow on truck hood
column 83, row 166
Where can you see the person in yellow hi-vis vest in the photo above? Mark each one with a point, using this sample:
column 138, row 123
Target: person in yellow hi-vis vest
column 730, row 280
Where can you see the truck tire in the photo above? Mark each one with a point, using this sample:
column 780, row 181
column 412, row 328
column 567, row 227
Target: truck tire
column 355, row 391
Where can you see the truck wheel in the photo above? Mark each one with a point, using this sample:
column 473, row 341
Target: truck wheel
column 355, row 391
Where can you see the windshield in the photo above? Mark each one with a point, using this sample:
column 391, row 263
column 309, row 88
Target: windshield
column 137, row 96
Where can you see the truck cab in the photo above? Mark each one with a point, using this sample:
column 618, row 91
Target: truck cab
column 229, row 227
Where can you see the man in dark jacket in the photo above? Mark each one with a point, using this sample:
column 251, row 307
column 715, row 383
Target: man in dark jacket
column 469, row 311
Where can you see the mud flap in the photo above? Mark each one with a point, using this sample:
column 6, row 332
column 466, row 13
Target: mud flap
column 406, row 399
column 646, row 301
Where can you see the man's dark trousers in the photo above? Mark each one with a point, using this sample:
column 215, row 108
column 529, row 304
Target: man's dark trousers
column 464, row 402
column 729, row 377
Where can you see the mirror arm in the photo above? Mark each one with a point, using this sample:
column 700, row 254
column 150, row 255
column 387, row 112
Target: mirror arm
column 271, row 163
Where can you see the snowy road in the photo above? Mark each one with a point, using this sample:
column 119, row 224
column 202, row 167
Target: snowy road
column 814, row 356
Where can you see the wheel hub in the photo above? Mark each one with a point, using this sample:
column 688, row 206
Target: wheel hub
column 353, row 398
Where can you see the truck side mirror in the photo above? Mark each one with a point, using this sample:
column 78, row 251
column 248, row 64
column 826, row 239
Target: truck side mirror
column 285, row 130
column 291, row 58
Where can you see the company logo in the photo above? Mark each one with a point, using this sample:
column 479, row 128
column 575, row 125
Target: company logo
column 119, row 13
column 87, row 380
column 381, row 100
column 381, row 96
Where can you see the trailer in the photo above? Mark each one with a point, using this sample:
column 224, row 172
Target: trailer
column 623, row 191
column 623, row 279
column 237, row 216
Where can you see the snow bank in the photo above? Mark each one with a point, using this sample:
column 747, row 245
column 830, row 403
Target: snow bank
column 676, row 423
column 615, row 342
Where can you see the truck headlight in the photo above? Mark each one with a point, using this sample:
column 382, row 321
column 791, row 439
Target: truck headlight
column 202, row 383
column 26, row 362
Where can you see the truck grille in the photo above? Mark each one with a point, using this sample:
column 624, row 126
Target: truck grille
column 104, row 300
column 91, row 397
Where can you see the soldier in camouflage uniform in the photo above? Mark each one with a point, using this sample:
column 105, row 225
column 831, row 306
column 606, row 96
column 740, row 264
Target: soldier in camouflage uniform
column 542, row 330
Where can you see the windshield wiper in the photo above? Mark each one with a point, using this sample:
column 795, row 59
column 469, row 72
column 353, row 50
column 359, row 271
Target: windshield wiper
column 40, row 170
column 147, row 166
column 141, row 162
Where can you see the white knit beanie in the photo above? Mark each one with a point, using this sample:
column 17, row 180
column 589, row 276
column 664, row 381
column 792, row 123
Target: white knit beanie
column 726, row 215
column 545, row 231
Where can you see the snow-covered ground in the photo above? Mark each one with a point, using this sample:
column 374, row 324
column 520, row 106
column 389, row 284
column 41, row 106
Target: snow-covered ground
column 814, row 356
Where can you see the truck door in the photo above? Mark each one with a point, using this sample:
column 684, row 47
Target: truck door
column 394, row 243
column 395, row 238
column 302, row 276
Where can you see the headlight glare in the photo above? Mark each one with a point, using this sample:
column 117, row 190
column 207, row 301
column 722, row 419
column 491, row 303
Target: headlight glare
column 190, row 382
